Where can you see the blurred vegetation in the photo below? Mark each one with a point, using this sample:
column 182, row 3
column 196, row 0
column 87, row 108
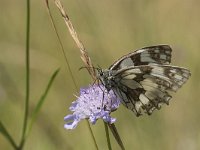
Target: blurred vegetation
column 109, row 29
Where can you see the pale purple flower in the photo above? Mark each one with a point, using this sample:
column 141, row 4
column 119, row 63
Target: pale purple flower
column 94, row 102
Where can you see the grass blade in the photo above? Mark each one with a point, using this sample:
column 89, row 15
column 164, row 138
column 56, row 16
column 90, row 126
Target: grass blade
column 41, row 101
column 4, row 131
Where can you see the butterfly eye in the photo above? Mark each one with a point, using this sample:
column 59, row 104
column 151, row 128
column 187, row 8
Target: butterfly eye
column 101, row 73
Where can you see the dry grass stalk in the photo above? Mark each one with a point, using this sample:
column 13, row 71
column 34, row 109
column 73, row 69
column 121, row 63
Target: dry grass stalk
column 84, row 55
column 86, row 59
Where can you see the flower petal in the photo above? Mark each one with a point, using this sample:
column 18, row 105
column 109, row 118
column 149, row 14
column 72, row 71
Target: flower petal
column 72, row 121
column 71, row 125
column 94, row 103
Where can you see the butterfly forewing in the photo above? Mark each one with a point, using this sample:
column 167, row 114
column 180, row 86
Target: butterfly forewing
column 160, row 54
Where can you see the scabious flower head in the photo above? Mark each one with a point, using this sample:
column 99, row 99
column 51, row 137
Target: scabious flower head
column 94, row 102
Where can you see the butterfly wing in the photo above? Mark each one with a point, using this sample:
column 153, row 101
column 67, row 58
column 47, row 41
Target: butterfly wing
column 143, row 89
column 160, row 54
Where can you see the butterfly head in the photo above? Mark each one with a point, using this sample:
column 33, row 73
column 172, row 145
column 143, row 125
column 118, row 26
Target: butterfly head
column 105, row 77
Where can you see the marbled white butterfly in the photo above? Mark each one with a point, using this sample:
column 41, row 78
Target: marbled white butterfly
column 144, row 78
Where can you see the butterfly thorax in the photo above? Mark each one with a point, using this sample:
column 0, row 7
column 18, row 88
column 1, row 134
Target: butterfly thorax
column 107, row 78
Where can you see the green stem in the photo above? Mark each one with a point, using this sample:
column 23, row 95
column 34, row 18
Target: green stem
column 27, row 74
column 107, row 136
column 93, row 138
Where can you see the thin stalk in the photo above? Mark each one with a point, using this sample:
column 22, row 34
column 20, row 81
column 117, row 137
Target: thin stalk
column 107, row 136
column 27, row 74
column 95, row 143
column 4, row 131
column 62, row 47
column 84, row 55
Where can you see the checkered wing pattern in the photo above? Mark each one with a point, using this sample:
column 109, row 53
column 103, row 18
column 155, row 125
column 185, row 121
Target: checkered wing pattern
column 145, row 88
column 160, row 54
column 143, row 79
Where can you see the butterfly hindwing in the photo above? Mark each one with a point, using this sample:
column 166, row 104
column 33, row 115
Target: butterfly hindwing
column 142, row 100
column 171, row 77
column 145, row 88
column 160, row 54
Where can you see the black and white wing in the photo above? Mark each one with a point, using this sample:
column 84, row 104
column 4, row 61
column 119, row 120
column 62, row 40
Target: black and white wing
column 160, row 54
column 143, row 89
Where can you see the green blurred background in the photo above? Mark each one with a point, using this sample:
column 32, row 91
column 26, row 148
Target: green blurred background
column 108, row 29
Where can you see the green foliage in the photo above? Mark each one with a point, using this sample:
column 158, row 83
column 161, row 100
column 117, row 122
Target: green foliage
column 3, row 129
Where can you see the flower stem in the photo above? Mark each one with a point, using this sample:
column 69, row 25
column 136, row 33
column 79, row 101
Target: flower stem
column 107, row 136
column 27, row 75
column 93, row 138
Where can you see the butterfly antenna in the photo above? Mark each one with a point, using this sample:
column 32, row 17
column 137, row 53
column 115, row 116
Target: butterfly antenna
column 84, row 67
column 99, row 67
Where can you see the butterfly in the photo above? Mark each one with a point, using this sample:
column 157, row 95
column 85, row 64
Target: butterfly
column 143, row 79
